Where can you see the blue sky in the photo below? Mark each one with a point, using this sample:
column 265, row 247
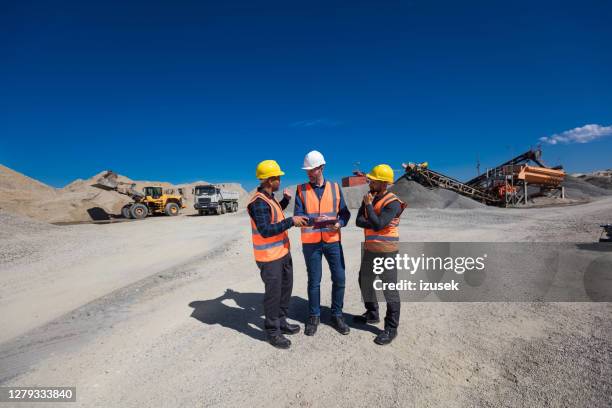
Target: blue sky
column 190, row 90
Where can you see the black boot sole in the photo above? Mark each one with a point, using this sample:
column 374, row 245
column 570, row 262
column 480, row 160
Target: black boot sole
column 342, row 332
column 278, row 346
column 381, row 343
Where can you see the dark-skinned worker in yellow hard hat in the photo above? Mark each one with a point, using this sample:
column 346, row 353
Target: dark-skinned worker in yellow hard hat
column 272, row 251
column 379, row 216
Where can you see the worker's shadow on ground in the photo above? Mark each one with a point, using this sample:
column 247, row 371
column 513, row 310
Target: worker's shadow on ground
column 247, row 315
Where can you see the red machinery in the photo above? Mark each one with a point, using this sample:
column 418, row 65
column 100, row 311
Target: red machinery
column 356, row 179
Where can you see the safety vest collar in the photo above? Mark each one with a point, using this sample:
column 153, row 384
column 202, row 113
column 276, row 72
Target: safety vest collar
column 276, row 210
column 307, row 194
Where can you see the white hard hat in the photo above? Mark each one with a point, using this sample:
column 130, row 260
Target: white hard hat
column 313, row 160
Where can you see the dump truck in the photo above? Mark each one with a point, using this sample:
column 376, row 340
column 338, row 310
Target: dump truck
column 151, row 200
column 210, row 199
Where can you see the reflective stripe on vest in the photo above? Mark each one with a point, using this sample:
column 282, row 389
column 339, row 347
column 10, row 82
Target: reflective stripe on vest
column 386, row 239
column 271, row 248
column 328, row 205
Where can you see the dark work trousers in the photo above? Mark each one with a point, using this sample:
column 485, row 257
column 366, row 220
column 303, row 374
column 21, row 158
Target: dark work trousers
column 366, row 280
column 278, row 280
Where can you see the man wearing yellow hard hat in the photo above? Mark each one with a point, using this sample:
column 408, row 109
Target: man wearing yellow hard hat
column 272, row 251
column 379, row 216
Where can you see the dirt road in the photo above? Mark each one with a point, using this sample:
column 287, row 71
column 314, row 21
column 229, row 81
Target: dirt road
column 167, row 312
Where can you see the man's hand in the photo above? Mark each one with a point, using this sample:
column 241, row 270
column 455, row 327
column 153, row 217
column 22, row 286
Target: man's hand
column 300, row 221
column 287, row 193
column 335, row 227
column 368, row 198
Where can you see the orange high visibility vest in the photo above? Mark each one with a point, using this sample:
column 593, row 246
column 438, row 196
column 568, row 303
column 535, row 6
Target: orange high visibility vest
column 386, row 239
column 271, row 248
column 313, row 207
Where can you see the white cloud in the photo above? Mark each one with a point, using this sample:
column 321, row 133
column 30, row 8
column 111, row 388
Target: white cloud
column 584, row 134
column 315, row 122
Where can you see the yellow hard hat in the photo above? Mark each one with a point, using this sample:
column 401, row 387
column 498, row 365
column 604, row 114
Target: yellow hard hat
column 268, row 168
column 382, row 172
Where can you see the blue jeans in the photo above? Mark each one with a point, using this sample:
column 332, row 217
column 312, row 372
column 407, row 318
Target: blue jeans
column 313, row 254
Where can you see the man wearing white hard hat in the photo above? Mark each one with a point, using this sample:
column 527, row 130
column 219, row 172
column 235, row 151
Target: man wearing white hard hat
column 323, row 203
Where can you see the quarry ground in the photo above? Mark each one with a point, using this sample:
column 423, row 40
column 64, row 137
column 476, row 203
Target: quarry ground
column 167, row 312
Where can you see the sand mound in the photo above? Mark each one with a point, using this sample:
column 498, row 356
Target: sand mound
column 79, row 200
column 12, row 180
column 418, row 196
column 20, row 194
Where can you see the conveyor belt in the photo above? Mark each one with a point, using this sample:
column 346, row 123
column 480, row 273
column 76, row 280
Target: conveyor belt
column 533, row 155
column 431, row 178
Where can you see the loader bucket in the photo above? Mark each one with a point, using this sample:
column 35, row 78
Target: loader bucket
column 108, row 181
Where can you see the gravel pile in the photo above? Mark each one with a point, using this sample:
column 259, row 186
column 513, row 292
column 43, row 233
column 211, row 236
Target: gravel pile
column 13, row 225
column 15, row 231
column 581, row 189
column 418, row 196
column 354, row 195
column 598, row 181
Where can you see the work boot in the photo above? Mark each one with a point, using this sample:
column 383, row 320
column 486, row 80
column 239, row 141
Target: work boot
column 279, row 341
column 338, row 323
column 288, row 328
column 386, row 337
column 369, row 317
column 311, row 325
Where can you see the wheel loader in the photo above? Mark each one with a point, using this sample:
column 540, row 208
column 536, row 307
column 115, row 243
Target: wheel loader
column 152, row 200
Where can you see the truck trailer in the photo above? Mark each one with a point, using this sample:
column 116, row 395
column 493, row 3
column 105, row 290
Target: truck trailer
column 210, row 199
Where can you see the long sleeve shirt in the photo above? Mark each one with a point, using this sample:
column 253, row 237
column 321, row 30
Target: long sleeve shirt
column 374, row 221
column 259, row 210
column 344, row 215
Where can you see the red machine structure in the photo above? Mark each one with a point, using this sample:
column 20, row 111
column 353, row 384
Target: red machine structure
column 356, row 179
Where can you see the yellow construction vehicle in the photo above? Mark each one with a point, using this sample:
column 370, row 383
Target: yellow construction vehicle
column 152, row 200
